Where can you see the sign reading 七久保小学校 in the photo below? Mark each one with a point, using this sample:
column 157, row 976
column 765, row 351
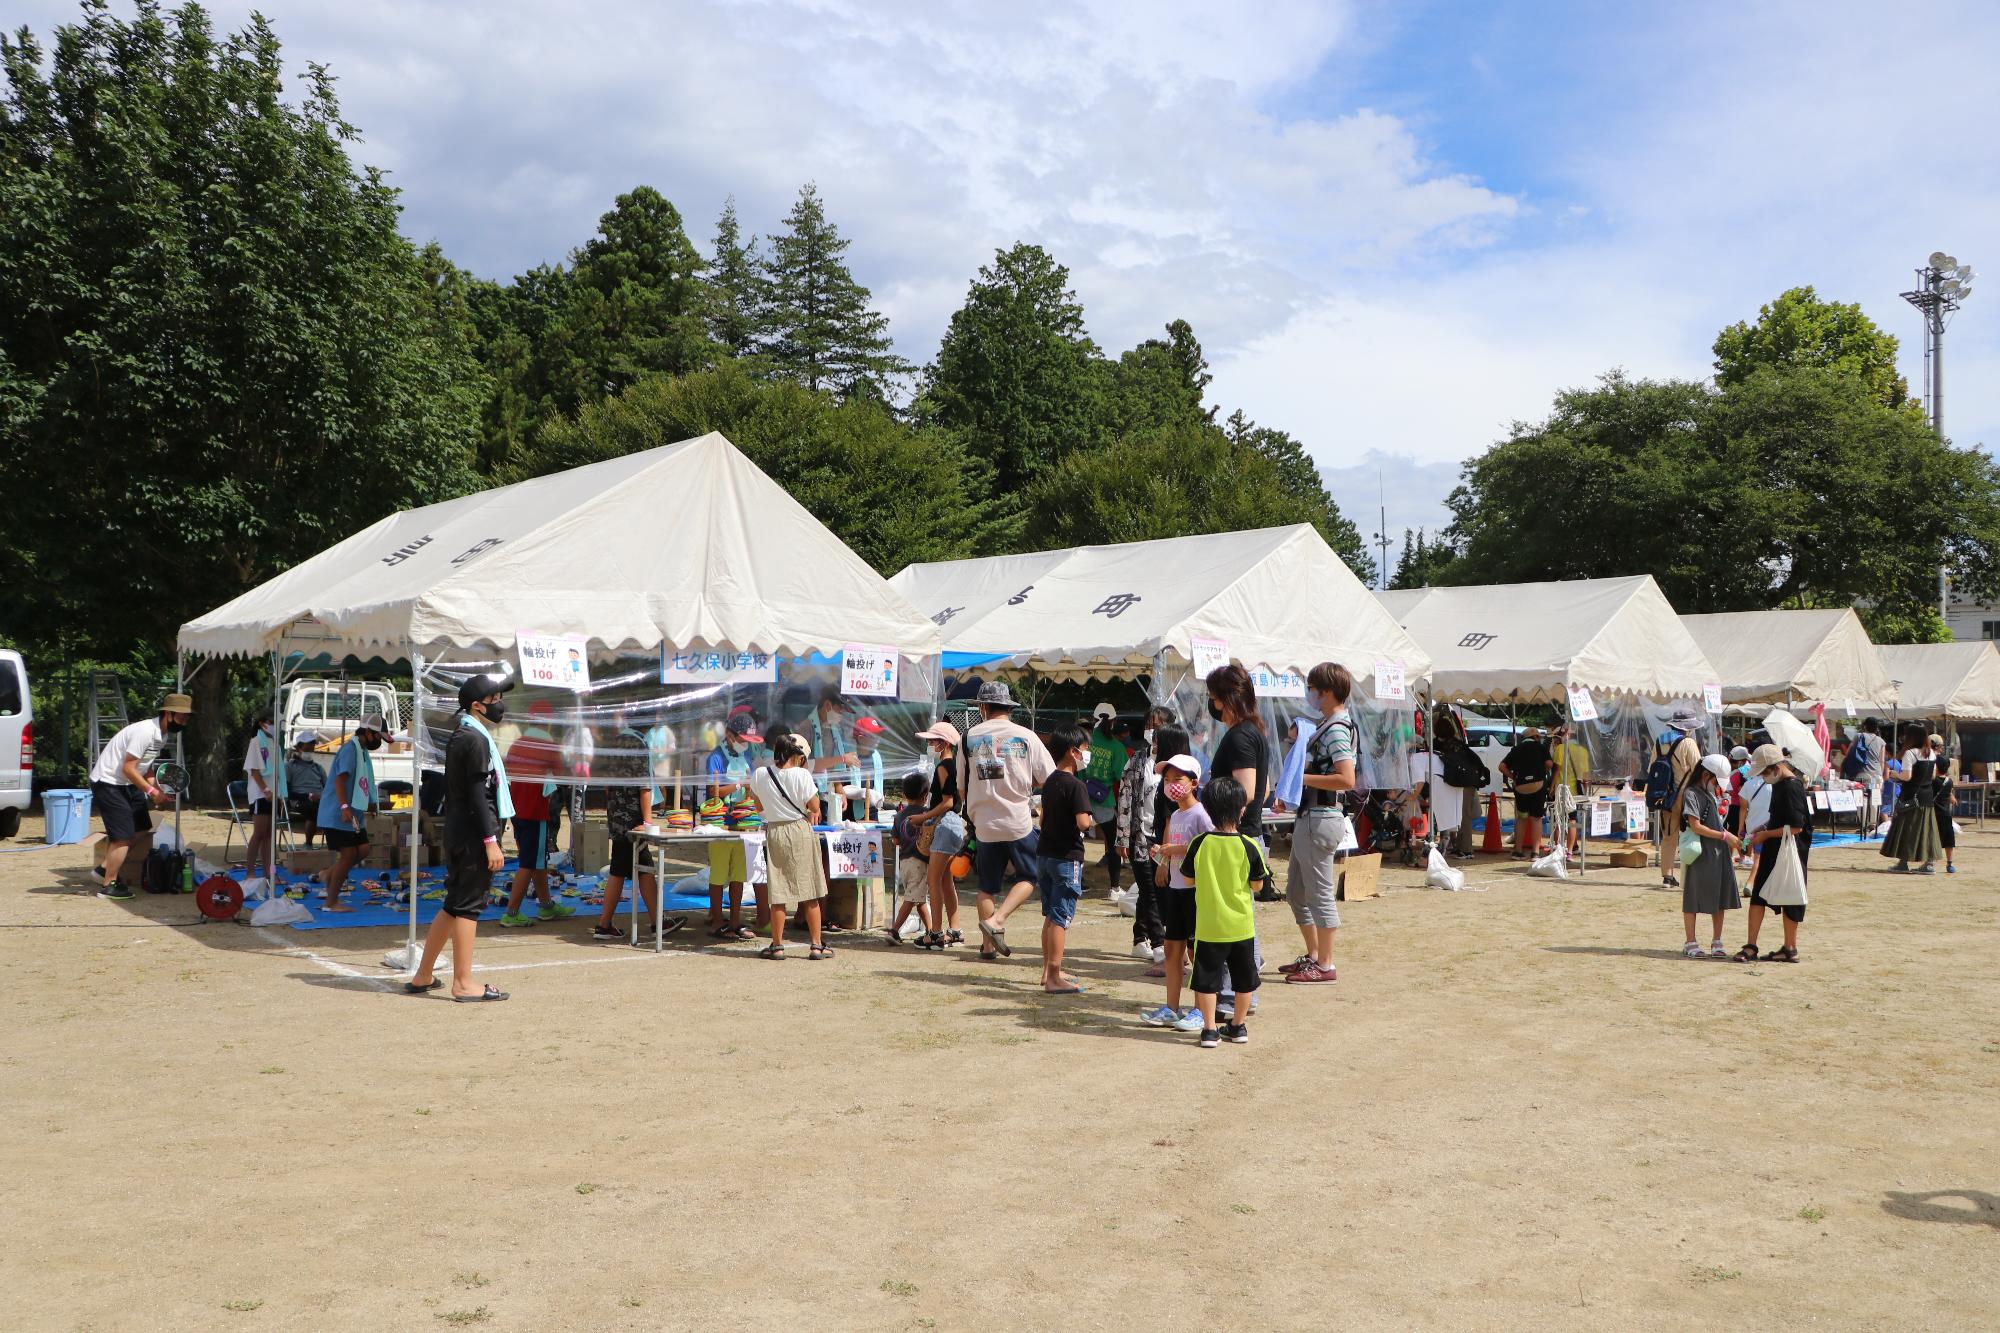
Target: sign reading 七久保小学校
column 869, row 671
column 553, row 661
column 698, row 666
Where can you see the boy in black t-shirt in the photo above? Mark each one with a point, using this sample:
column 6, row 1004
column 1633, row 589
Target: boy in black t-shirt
column 913, row 868
column 1065, row 819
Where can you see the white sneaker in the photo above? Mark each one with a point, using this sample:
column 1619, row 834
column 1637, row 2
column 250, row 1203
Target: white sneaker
column 1159, row 954
column 1143, row 951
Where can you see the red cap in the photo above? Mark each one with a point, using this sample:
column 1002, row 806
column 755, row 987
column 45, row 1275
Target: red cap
column 869, row 726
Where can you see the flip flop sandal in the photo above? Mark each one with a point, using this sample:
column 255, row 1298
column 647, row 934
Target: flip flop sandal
column 819, row 955
column 890, row 937
column 776, row 951
column 412, row 988
column 988, row 956
column 722, row 933
column 830, row 929
column 487, row 996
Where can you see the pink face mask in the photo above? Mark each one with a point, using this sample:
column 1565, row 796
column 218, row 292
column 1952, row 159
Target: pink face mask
column 1177, row 791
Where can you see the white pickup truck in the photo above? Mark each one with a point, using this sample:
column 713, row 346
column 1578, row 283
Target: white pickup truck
column 332, row 707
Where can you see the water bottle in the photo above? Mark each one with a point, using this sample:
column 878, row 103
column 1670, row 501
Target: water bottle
column 187, row 875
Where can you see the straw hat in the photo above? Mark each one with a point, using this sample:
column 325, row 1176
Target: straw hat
column 177, row 703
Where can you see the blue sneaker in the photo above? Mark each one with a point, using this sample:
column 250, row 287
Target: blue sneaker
column 1189, row 1021
column 1164, row 1016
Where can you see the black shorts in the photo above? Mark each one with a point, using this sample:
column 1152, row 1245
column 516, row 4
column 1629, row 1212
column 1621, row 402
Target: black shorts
column 1533, row 805
column 122, row 808
column 467, row 881
column 531, row 842
column 1177, row 914
column 1236, row 961
column 340, row 839
column 621, row 856
column 259, row 809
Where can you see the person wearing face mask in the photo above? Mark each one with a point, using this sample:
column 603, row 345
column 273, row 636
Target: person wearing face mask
column 344, row 805
column 1138, row 792
column 729, row 769
column 121, row 790
column 264, row 785
column 477, row 805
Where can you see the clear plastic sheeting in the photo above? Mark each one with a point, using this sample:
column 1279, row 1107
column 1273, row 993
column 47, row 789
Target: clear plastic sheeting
column 1624, row 736
column 628, row 728
column 1388, row 729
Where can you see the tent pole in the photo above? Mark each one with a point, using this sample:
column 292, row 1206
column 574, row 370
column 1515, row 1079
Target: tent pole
column 415, row 722
column 277, row 766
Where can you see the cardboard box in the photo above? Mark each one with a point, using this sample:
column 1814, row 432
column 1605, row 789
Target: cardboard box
column 1359, row 875
column 590, row 846
column 134, row 869
column 844, row 902
column 1629, row 858
column 303, row 862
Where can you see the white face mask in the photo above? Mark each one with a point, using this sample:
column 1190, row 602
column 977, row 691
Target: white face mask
column 1149, row 735
column 1083, row 758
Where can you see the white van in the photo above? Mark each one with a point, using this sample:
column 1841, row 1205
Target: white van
column 17, row 742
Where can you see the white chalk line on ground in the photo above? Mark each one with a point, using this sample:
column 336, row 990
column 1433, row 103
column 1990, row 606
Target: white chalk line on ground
column 381, row 982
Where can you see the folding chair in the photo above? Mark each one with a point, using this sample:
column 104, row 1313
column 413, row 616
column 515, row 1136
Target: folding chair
column 239, row 815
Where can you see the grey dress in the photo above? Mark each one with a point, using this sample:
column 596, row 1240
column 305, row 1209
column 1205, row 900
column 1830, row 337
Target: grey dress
column 1709, row 883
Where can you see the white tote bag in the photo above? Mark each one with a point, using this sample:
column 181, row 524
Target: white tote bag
column 1787, row 885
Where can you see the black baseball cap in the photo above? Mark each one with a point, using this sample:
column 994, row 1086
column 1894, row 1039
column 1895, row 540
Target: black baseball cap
column 483, row 686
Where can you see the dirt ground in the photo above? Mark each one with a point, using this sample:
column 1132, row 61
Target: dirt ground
column 1519, row 1108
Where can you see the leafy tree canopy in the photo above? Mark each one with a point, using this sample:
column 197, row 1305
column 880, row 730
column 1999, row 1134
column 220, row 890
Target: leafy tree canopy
column 1800, row 330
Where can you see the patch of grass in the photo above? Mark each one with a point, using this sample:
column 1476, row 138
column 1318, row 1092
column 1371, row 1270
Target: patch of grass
column 1712, row 1273
column 478, row 1316
column 1812, row 1212
column 630, row 1302
column 473, row 1280
column 586, row 1188
column 895, row 1286
column 272, row 1069
column 422, row 1110
column 1011, row 1038
column 241, row 1307
column 1242, row 1208
column 926, row 1323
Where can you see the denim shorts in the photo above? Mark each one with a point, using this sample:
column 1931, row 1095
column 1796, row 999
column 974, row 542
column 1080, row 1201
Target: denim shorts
column 1061, row 883
column 950, row 835
column 993, row 860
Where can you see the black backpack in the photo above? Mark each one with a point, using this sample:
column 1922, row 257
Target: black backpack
column 164, row 870
column 1463, row 768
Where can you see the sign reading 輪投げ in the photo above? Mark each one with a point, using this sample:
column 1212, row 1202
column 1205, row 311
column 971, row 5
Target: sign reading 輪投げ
column 853, row 854
column 554, row 662
column 697, row 666
column 869, row 671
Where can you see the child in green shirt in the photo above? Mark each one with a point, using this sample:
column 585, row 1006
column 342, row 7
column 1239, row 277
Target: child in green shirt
column 1224, row 865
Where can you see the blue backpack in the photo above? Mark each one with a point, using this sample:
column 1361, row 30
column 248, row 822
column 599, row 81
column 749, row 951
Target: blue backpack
column 1660, row 780
column 1856, row 762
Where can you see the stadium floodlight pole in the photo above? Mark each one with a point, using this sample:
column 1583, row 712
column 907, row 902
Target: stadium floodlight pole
column 1942, row 286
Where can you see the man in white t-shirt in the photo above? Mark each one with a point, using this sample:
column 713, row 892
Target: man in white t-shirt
column 1002, row 764
column 121, row 786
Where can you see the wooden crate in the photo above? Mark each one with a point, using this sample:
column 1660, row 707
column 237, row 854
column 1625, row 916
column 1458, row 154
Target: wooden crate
column 1360, row 874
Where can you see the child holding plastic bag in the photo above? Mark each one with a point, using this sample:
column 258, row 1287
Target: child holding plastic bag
column 1791, row 814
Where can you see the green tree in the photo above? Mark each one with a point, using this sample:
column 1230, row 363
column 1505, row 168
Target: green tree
column 1171, row 482
column 894, row 493
column 1158, row 383
column 217, row 353
column 1299, row 477
column 737, row 297
column 818, row 329
column 1800, row 330
column 636, row 303
column 1015, row 375
column 1424, row 561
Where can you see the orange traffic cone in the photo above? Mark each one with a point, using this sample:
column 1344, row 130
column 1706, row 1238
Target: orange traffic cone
column 1494, row 844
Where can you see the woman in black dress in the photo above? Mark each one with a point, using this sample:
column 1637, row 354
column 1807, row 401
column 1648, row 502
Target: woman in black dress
column 1790, row 812
column 1947, row 829
column 1913, row 834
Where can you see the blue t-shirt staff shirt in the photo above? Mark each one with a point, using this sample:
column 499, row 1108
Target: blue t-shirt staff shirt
column 355, row 761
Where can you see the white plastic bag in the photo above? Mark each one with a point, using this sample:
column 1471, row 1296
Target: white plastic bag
column 1126, row 901
column 1550, row 865
column 1439, row 874
column 280, row 912
column 256, row 888
column 1787, row 885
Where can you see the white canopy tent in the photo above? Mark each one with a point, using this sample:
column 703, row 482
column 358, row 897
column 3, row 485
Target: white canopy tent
column 1278, row 598
column 1786, row 657
column 1956, row 681
column 1532, row 642
column 688, row 546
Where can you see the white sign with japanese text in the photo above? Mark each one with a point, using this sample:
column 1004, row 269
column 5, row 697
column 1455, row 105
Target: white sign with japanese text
column 697, row 666
column 1600, row 819
column 854, row 854
column 1582, row 708
column 553, row 662
column 1635, row 817
column 1711, row 697
column 1278, row 684
column 869, row 671
column 1207, row 655
column 1391, row 680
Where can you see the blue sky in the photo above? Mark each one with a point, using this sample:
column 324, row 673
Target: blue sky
column 1396, row 227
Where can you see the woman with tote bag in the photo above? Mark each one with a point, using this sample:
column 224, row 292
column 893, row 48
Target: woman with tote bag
column 1783, row 846
column 1708, row 877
